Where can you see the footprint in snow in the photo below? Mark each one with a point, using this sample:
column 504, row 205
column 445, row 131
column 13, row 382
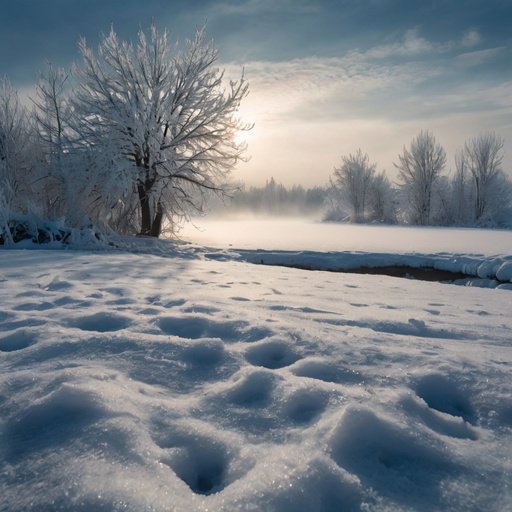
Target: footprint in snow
column 195, row 327
column 305, row 405
column 5, row 315
column 34, row 306
column 174, row 303
column 17, row 341
column 442, row 423
column 272, row 354
column 68, row 301
column 382, row 454
column 57, row 285
column 31, row 294
column 55, row 420
column 149, row 311
column 200, row 461
column 197, row 308
column 204, row 353
column 125, row 301
column 445, row 395
column 253, row 390
column 119, row 292
column 100, row 322
column 19, row 324
column 322, row 370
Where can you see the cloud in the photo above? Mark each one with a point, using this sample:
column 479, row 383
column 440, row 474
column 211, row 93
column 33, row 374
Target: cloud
column 471, row 38
column 309, row 111
column 252, row 7
column 321, row 88
column 384, row 81
column 478, row 57
column 410, row 45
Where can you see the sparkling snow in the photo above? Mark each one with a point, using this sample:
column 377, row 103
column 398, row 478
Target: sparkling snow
column 184, row 379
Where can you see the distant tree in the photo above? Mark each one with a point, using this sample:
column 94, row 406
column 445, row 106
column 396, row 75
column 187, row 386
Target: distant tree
column 382, row 199
column 443, row 202
column 419, row 168
column 353, row 180
column 160, row 125
column 274, row 198
column 483, row 157
column 461, row 190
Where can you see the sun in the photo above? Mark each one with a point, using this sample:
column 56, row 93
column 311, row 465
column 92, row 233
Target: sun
column 244, row 136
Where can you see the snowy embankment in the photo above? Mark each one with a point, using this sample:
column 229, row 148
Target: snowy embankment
column 491, row 272
column 145, row 382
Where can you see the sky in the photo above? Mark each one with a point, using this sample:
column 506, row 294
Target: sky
column 326, row 77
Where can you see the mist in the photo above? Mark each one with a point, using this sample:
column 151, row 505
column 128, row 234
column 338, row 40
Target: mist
column 272, row 200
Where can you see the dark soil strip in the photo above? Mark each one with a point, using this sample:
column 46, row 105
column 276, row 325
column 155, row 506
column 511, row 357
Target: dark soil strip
column 421, row 273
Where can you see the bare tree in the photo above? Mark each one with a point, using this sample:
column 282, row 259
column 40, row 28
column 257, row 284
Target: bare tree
column 419, row 168
column 483, row 157
column 14, row 147
column 52, row 116
column 461, row 189
column 381, row 199
column 353, row 179
column 162, row 122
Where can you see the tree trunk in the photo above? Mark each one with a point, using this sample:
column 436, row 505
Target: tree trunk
column 145, row 210
column 156, row 226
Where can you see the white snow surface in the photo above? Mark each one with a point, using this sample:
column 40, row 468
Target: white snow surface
column 296, row 234
column 180, row 378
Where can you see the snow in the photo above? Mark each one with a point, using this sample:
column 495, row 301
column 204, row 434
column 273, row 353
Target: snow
column 347, row 247
column 174, row 377
column 296, row 234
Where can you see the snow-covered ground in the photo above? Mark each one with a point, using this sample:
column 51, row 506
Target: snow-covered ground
column 297, row 234
column 187, row 379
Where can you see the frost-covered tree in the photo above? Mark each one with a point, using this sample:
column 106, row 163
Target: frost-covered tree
column 15, row 154
column 353, row 180
column 160, row 123
column 419, row 167
column 52, row 113
column 381, row 199
column 52, row 116
column 483, row 157
column 461, row 190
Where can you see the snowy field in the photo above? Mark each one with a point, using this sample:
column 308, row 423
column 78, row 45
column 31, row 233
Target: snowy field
column 183, row 379
column 296, row 234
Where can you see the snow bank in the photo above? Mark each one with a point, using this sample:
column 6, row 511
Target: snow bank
column 489, row 268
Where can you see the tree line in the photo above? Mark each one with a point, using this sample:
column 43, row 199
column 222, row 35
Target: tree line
column 272, row 199
column 477, row 193
column 133, row 139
